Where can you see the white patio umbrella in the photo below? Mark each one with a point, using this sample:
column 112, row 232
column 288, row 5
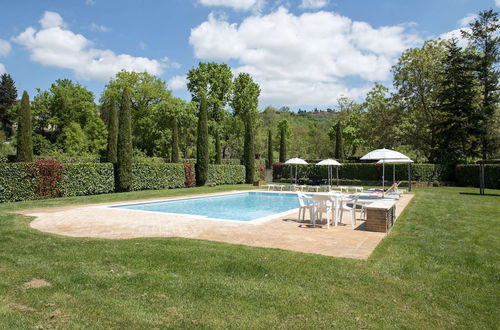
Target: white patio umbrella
column 330, row 163
column 394, row 162
column 379, row 154
column 295, row 161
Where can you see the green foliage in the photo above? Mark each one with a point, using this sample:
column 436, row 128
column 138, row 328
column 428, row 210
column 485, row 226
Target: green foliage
column 202, row 151
column 417, row 79
column 468, row 175
column 284, row 135
column 157, row 176
column 457, row 128
column 339, row 144
column 16, row 182
column 87, row 179
column 175, row 142
column 111, row 150
column 244, row 103
column 74, row 140
column 147, row 92
column 226, row 174
column 8, row 96
column 24, row 133
column 372, row 172
column 270, row 157
column 484, row 36
column 124, row 146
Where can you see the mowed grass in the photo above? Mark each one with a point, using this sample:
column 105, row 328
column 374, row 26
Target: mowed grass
column 439, row 268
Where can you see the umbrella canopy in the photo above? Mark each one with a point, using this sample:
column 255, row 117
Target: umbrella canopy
column 329, row 163
column 295, row 161
column 395, row 161
column 384, row 154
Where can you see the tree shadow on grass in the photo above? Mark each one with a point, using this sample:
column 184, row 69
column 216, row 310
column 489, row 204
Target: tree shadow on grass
column 478, row 194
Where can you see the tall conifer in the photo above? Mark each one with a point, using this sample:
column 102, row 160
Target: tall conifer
column 202, row 152
column 24, row 133
column 124, row 150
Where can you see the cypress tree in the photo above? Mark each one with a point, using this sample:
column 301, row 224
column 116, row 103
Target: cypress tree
column 24, row 135
column 202, row 152
column 339, row 144
column 249, row 152
column 283, row 143
column 270, row 150
column 175, row 141
column 111, row 151
column 218, row 149
column 124, row 150
column 8, row 96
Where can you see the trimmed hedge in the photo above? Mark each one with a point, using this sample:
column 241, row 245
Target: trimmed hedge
column 226, row 174
column 371, row 172
column 157, row 176
column 16, row 182
column 87, row 179
column 468, row 175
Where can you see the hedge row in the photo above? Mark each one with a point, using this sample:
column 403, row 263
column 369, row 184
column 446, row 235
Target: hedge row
column 370, row 172
column 157, row 176
column 226, row 174
column 18, row 183
column 468, row 175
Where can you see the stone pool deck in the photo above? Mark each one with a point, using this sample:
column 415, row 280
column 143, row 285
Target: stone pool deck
column 282, row 233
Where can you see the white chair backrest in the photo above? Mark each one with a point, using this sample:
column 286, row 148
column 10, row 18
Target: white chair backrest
column 303, row 199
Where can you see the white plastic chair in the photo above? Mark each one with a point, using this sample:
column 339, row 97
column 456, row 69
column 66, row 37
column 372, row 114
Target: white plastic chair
column 353, row 208
column 305, row 204
column 322, row 204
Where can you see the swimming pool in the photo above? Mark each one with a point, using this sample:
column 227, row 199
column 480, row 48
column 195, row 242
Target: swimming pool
column 245, row 206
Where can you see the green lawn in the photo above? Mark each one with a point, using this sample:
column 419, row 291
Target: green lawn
column 439, row 268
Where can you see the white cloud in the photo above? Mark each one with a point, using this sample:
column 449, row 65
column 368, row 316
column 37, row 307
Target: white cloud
column 2, row 68
column 170, row 63
column 51, row 19
column 90, row 2
column 301, row 60
column 177, row 82
column 4, row 47
column 467, row 19
column 313, row 4
column 54, row 45
column 497, row 2
column 457, row 34
column 98, row 27
column 235, row 4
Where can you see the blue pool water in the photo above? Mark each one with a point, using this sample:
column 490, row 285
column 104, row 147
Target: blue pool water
column 239, row 206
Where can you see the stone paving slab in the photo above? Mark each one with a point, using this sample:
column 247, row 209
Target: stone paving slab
column 284, row 232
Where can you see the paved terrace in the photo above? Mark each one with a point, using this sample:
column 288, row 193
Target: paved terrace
column 281, row 233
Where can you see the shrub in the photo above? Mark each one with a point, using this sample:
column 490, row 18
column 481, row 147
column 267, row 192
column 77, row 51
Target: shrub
column 190, row 180
column 47, row 174
column 226, row 174
column 157, row 176
column 277, row 170
column 16, row 182
column 468, row 175
column 87, row 179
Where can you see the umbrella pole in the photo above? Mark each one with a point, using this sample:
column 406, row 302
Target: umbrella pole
column 383, row 175
column 337, row 176
column 393, row 173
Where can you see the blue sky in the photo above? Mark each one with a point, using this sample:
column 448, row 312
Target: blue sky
column 303, row 53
